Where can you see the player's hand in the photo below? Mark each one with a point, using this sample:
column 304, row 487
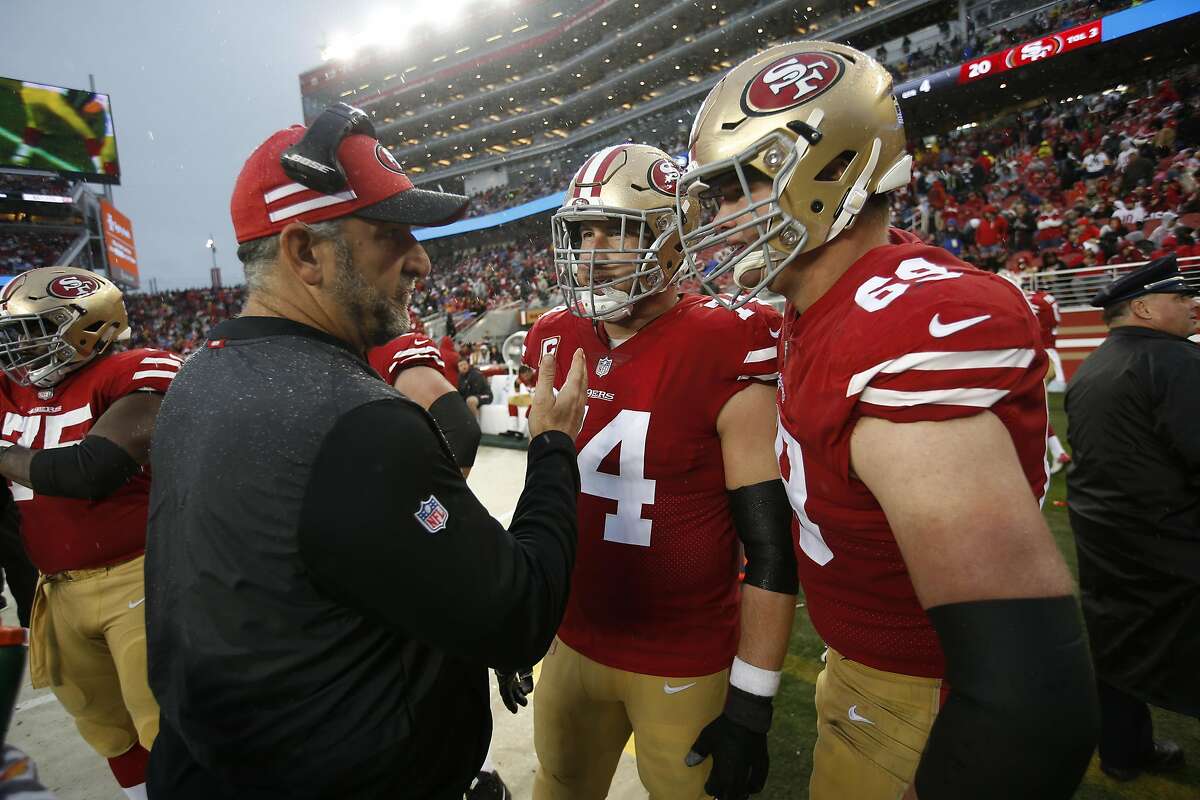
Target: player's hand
column 515, row 687
column 737, row 742
column 564, row 412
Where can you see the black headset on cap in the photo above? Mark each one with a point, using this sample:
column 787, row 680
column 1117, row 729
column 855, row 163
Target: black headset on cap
column 313, row 161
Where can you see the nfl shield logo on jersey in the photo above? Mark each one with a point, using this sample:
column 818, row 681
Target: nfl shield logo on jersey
column 603, row 366
column 432, row 515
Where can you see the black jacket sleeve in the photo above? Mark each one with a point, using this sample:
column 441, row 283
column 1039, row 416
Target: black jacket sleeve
column 469, row 588
column 1176, row 382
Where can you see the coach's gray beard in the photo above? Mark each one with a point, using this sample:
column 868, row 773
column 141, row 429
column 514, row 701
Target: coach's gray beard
column 380, row 318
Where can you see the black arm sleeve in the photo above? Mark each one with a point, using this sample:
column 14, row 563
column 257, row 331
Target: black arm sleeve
column 1022, row 716
column 90, row 470
column 459, row 426
column 762, row 517
column 470, row 588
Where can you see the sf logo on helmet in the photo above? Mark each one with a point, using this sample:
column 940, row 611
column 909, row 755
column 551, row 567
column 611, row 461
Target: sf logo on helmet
column 73, row 287
column 664, row 175
column 787, row 82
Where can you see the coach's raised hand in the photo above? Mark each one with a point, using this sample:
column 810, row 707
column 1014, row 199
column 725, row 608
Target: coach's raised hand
column 563, row 412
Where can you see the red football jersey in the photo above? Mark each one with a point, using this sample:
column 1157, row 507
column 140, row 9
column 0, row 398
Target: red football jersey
column 909, row 333
column 62, row 533
column 655, row 589
column 403, row 352
column 1045, row 307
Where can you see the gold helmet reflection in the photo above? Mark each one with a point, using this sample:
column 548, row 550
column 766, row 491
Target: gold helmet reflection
column 54, row 320
column 632, row 186
column 819, row 121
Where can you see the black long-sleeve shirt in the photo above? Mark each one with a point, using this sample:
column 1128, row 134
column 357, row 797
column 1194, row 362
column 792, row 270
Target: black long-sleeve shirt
column 324, row 593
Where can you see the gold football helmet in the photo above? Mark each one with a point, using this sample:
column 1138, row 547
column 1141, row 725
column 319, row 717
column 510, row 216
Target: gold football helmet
column 817, row 120
column 630, row 188
column 54, row 320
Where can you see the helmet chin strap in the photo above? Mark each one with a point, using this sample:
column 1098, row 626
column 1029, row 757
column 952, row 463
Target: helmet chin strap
column 858, row 195
column 751, row 262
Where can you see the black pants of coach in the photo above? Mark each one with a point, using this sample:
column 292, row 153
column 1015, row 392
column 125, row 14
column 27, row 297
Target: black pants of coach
column 174, row 774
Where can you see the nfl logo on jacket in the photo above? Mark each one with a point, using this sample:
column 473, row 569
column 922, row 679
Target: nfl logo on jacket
column 432, row 515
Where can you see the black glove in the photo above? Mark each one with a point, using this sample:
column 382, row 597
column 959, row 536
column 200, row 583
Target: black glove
column 737, row 741
column 515, row 687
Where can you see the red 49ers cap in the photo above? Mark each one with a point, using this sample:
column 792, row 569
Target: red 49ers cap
column 265, row 199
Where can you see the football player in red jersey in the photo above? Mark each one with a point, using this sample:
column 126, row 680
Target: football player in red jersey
column 1045, row 308
column 912, row 435
column 676, row 470
column 77, row 425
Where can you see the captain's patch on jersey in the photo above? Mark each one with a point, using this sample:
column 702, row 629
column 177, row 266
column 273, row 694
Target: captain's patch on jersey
column 549, row 345
column 432, row 515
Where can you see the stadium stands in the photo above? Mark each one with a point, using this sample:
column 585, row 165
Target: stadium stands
column 22, row 249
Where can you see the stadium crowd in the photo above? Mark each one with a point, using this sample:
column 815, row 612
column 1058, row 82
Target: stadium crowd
column 1086, row 182
column 22, row 249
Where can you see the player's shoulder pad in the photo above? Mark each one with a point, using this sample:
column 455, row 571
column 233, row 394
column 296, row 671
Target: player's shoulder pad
column 140, row 359
column 555, row 322
column 920, row 298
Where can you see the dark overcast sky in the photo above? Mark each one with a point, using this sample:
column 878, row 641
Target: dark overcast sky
column 195, row 86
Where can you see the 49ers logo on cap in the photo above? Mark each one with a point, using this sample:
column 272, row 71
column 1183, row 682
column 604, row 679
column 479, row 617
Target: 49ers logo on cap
column 73, row 287
column 388, row 160
column 663, row 176
column 789, row 81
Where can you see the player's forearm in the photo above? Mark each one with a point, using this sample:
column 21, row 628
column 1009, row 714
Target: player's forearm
column 766, row 627
column 14, row 464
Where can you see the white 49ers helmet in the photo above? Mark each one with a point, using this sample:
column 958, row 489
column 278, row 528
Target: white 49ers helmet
column 630, row 187
column 56, row 319
column 818, row 121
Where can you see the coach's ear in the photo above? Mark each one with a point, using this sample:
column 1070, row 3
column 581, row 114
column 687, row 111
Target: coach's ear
column 305, row 254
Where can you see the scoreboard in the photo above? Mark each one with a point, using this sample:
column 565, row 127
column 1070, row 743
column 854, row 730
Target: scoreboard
column 1046, row 48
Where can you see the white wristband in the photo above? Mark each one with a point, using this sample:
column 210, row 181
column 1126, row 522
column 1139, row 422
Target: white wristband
column 752, row 679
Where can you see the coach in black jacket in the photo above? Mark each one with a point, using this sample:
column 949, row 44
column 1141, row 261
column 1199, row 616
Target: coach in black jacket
column 1133, row 492
column 324, row 593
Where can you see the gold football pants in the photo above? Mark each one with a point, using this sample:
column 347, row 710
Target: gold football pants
column 87, row 642
column 584, row 712
column 871, row 730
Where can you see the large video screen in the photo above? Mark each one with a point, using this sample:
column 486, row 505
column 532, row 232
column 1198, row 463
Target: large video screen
column 69, row 131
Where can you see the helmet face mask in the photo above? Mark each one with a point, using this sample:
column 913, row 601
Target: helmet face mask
column 818, row 122
column 776, row 238
column 32, row 348
column 628, row 193
column 55, row 320
column 605, row 282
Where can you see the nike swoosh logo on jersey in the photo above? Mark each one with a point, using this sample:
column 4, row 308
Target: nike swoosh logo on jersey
column 940, row 329
column 669, row 689
column 137, row 603
column 856, row 717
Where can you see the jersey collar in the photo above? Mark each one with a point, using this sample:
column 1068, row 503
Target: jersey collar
column 263, row 327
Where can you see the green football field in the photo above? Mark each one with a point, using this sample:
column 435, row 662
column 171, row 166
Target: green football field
column 60, row 148
column 794, row 729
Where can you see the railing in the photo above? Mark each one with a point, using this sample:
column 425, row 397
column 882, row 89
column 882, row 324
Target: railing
column 1074, row 288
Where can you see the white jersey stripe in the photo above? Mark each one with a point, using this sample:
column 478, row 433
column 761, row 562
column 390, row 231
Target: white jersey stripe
column 280, row 192
column 767, row 376
column 153, row 373
column 413, row 351
column 765, row 354
column 1014, row 358
column 169, row 361
column 977, row 398
column 309, row 205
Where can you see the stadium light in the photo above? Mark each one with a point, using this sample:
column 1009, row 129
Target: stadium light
column 341, row 47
